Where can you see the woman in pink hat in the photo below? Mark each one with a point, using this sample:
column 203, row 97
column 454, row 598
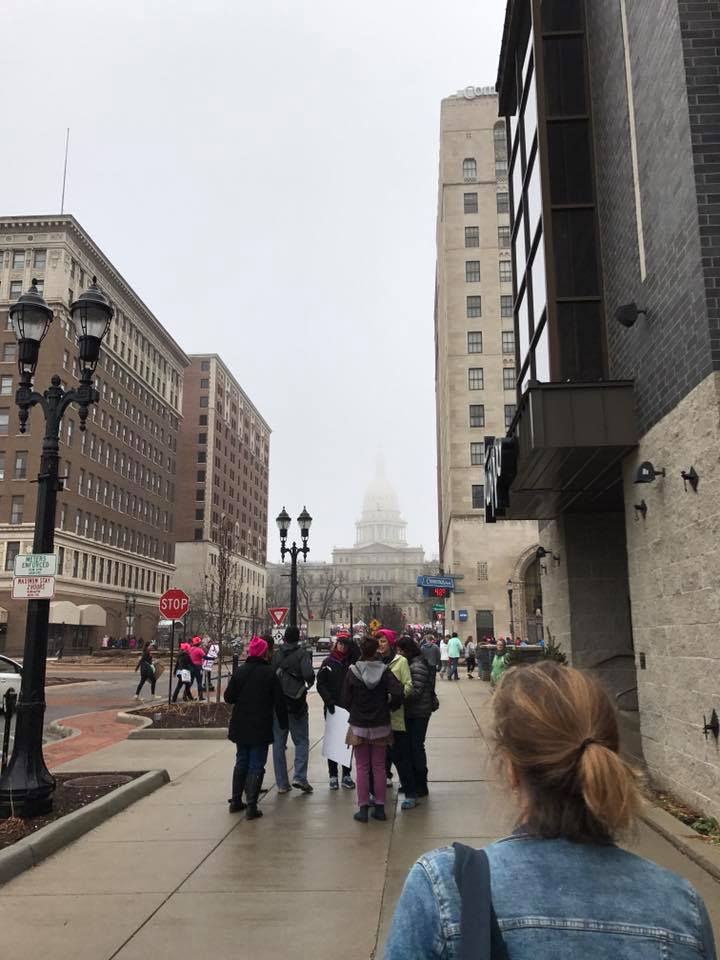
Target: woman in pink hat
column 256, row 695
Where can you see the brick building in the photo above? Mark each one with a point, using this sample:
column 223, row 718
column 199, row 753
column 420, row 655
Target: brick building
column 115, row 531
column 612, row 131
column 223, row 459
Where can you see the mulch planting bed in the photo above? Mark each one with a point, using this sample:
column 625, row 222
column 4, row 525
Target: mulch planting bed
column 707, row 828
column 196, row 714
column 74, row 790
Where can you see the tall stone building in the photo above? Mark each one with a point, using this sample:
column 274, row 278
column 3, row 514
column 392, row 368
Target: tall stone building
column 224, row 453
column 497, row 587
column 612, row 134
column 115, row 533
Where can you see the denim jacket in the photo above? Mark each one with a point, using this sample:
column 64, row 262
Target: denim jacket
column 556, row 900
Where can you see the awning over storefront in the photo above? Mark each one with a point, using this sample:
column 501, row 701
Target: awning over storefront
column 92, row 615
column 563, row 453
column 63, row 611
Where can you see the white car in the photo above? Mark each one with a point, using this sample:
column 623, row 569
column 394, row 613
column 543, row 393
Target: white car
column 10, row 676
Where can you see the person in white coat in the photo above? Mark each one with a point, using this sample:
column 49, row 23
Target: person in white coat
column 444, row 657
column 212, row 652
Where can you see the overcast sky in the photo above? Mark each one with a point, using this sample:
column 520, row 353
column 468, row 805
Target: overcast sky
column 264, row 175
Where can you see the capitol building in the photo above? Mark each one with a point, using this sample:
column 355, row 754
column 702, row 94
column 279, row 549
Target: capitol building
column 380, row 564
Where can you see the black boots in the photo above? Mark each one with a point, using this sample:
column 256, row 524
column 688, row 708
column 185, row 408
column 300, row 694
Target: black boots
column 238, row 785
column 379, row 812
column 252, row 792
column 362, row 815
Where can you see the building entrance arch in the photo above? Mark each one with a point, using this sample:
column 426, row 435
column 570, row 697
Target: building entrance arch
column 525, row 597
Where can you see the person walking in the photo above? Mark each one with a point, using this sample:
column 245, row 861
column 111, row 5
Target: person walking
column 147, row 671
column 454, row 654
column 197, row 654
column 418, row 710
column 257, row 698
column 370, row 692
column 184, row 674
column 330, row 684
column 499, row 662
column 444, row 658
column 210, row 659
column 470, row 656
column 400, row 749
column 431, row 651
column 294, row 669
column 557, row 737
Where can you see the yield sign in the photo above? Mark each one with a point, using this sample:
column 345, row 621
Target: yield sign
column 278, row 615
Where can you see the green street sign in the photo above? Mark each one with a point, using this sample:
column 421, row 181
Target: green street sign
column 438, row 607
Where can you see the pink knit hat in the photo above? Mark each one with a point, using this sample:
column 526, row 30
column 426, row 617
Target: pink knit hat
column 389, row 635
column 258, row 647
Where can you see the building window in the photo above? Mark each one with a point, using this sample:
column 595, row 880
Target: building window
column 6, row 386
column 503, row 203
column 21, row 464
column 200, row 514
column 15, row 289
column 2, row 464
column 204, row 384
column 40, row 286
column 202, row 438
column 203, row 420
column 476, row 454
column 11, row 551
column 505, row 271
column 472, row 236
column 16, row 509
column 201, row 476
column 477, row 415
column 501, row 168
column 472, row 271
column 39, row 259
column 508, row 341
column 509, row 378
column 18, row 262
column 506, row 307
column 504, row 238
column 474, row 306
column 198, row 533
column 474, row 341
column 4, row 423
column 478, row 502
column 204, row 365
column 470, row 202
column 482, row 567
column 469, row 168
column 509, row 413
column 203, row 401
column 475, row 378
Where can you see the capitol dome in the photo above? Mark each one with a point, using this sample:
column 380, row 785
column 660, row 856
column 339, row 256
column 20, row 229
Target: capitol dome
column 381, row 520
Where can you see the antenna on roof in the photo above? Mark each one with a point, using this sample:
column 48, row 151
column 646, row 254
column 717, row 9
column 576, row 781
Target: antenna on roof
column 67, row 143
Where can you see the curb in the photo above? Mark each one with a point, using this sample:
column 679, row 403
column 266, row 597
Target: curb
column 61, row 732
column 125, row 716
column 684, row 839
column 178, row 733
column 31, row 850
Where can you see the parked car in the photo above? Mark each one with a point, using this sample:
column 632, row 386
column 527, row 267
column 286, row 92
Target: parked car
column 323, row 644
column 10, row 676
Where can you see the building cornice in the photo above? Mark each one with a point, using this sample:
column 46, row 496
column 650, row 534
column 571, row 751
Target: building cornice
column 229, row 374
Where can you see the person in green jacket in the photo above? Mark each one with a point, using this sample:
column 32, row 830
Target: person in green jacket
column 400, row 750
column 454, row 652
column 499, row 664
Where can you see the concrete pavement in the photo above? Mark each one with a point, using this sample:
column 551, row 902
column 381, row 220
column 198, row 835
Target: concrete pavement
column 177, row 872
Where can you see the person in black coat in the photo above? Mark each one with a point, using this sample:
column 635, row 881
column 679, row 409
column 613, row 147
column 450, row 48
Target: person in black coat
column 255, row 693
column 418, row 710
column 147, row 671
column 330, row 681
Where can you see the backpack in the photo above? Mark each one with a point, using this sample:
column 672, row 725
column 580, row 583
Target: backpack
column 292, row 684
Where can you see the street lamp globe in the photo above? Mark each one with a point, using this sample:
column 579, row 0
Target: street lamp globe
column 31, row 318
column 305, row 522
column 92, row 313
column 283, row 521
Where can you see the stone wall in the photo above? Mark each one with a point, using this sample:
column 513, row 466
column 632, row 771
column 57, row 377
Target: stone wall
column 674, row 570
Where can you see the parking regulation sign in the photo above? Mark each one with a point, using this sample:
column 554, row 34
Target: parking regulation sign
column 33, row 588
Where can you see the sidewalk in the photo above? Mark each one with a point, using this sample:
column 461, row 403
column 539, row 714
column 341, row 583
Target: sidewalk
column 176, row 872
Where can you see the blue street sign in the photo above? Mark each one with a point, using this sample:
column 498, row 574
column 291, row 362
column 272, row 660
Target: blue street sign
column 446, row 582
column 463, row 615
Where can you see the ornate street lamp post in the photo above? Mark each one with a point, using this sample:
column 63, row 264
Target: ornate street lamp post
column 374, row 602
column 510, row 604
column 304, row 522
column 26, row 787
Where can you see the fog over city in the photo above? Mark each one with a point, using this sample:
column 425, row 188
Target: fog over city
column 264, row 175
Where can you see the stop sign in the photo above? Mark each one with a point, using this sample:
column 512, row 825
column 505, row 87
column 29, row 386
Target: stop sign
column 174, row 604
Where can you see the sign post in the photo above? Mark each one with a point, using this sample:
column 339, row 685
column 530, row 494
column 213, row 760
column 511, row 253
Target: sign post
column 174, row 604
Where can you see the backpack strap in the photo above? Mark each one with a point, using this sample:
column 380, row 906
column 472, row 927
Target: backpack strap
column 479, row 929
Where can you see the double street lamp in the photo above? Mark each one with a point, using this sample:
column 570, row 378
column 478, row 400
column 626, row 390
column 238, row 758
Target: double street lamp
column 26, row 786
column 304, row 522
column 374, row 602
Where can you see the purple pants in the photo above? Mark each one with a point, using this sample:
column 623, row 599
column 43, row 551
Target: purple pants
column 367, row 755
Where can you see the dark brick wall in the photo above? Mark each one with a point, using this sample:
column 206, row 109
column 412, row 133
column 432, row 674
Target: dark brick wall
column 668, row 353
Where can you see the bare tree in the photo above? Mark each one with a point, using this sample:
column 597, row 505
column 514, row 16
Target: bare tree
column 317, row 593
column 223, row 596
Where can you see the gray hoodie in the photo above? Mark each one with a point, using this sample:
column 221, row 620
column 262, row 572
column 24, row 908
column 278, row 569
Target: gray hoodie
column 369, row 671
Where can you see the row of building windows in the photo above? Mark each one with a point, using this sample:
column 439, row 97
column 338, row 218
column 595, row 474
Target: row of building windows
column 475, row 341
column 115, row 535
column 474, row 306
column 470, row 202
column 477, row 416
column 21, row 461
column 472, row 237
column 472, row 269
column 20, row 259
column 476, row 378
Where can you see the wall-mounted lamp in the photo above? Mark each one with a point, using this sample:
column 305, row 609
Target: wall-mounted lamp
column 647, row 473
column 690, row 477
column 713, row 727
column 628, row 313
column 641, row 509
column 541, row 553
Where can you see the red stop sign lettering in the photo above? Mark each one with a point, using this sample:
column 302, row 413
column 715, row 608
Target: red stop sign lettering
column 174, row 604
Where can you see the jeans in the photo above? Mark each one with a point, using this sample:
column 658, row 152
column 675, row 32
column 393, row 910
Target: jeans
column 187, row 692
column 453, row 674
column 333, row 769
column 401, row 759
column 251, row 758
column 198, row 677
column 443, row 667
column 367, row 756
column 470, row 663
column 151, row 680
column 300, row 734
column 416, row 732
